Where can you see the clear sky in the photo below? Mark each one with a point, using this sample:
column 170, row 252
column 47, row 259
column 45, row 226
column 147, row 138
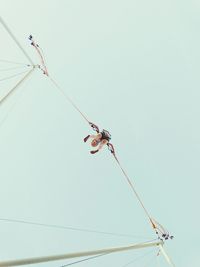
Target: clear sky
column 133, row 68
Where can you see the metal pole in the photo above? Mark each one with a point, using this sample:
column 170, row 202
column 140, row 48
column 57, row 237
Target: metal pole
column 78, row 254
column 16, row 41
column 17, row 85
column 166, row 256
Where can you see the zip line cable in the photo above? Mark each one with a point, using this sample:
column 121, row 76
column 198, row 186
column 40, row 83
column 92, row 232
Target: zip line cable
column 153, row 224
column 159, row 230
column 118, row 162
column 69, row 100
column 133, row 189
column 70, row 228
column 43, row 67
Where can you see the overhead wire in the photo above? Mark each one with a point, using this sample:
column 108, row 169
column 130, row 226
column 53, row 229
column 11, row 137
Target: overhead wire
column 69, row 99
column 156, row 227
column 138, row 258
column 13, row 62
column 43, row 67
column 70, row 228
column 117, row 160
column 14, row 68
column 148, row 263
column 12, row 76
column 10, row 109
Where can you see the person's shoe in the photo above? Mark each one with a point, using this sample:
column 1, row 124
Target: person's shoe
column 86, row 138
column 94, row 151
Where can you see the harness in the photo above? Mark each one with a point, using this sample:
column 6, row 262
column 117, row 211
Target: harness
column 105, row 135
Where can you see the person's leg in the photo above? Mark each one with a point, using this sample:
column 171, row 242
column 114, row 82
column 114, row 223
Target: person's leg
column 94, row 151
column 86, row 138
column 102, row 143
column 96, row 136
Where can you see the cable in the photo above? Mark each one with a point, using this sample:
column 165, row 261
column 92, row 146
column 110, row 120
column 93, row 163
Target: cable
column 158, row 228
column 139, row 257
column 69, row 228
column 12, row 76
column 153, row 223
column 15, row 40
column 147, row 264
column 13, row 62
column 132, row 187
column 45, row 71
column 40, row 55
column 118, row 162
column 11, row 107
column 87, row 259
column 15, row 68
column 69, row 99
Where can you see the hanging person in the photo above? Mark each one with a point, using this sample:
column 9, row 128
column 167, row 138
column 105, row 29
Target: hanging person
column 99, row 140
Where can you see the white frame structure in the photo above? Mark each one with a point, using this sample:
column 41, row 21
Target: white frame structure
column 79, row 254
column 25, row 54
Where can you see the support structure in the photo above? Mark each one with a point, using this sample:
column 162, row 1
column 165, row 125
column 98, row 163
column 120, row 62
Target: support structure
column 166, row 256
column 16, row 41
column 78, row 254
column 25, row 54
column 10, row 92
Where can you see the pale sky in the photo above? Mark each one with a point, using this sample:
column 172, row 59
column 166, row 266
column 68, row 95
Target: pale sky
column 133, row 68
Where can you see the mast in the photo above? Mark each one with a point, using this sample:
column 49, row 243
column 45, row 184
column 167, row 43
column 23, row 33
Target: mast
column 50, row 258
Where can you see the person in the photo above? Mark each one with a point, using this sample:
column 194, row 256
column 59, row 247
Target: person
column 99, row 140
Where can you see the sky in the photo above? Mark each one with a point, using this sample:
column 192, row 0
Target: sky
column 132, row 67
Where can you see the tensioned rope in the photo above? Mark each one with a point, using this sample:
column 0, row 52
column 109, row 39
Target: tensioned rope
column 117, row 160
column 14, row 68
column 62, row 227
column 138, row 258
column 68, row 99
column 12, row 76
column 13, row 62
column 45, row 72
